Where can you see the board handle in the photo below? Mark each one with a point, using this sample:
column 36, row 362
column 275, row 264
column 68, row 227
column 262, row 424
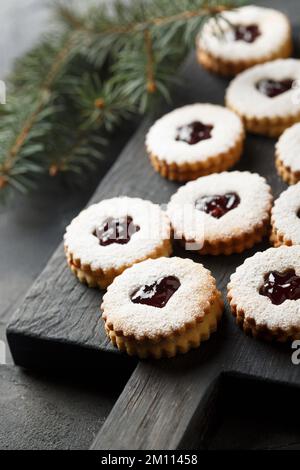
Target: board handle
column 165, row 405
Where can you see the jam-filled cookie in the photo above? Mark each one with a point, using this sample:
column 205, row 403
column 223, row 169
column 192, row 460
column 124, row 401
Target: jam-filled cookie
column 285, row 218
column 243, row 38
column 264, row 294
column 287, row 154
column 194, row 141
column 108, row 237
column 266, row 96
column 159, row 308
column 222, row 213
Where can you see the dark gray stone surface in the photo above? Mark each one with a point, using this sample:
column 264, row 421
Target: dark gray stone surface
column 43, row 412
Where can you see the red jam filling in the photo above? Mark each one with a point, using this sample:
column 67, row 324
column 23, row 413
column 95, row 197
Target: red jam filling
column 246, row 33
column 273, row 88
column 281, row 286
column 157, row 294
column 116, row 231
column 194, row 132
column 218, row 205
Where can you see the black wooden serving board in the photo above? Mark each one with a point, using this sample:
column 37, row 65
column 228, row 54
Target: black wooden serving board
column 166, row 404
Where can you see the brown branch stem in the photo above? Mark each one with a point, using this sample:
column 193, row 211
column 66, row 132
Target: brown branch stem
column 141, row 26
column 55, row 167
column 151, row 86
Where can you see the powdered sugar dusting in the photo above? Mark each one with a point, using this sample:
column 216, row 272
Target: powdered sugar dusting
column 273, row 25
column 288, row 147
column 254, row 207
column 284, row 214
column 249, row 277
column 185, row 305
column 161, row 138
column 243, row 96
column 154, row 229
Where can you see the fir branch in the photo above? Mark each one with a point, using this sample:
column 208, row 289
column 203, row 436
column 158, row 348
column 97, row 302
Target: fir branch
column 80, row 152
column 36, row 111
column 106, row 24
column 16, row 127
column 101, row 104
column 148, row 40
column 62, row 110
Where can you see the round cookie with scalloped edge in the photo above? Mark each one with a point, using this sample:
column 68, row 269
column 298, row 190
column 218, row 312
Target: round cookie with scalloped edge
column 223, row 213
column 264, row 294
column 242, row 38
column 285, row 218
column 159, row 308
column 287, row 152
column 266, row 96
column 195, row 140
column 112, row 235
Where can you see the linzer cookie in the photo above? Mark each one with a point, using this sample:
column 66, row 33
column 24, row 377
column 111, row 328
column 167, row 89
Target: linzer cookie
column 266, row 96
column 222, row 213
column 243, row 38
column 288, row 155
column 264, row 294
column 159, row 308
column 195, row 140
column 110, row 236
column 285, row 218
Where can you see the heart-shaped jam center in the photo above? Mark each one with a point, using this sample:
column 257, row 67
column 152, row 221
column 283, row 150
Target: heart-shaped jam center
column 116, row 231
column 157, row 294
column 194, row 132
column 247, row 33
column 281, row 286
column 273, row 88
column 218, row 205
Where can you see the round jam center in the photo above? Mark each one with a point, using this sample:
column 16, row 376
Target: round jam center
column 157, row 294
column 116, row 231
column 194, row 132
column 272, row 88
column 281, row 286
column 218, row 205
column 247, row 33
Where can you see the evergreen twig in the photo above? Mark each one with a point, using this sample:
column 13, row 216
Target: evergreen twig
column 79, row 84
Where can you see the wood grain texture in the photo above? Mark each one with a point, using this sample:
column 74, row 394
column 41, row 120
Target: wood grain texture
column 165, row 404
